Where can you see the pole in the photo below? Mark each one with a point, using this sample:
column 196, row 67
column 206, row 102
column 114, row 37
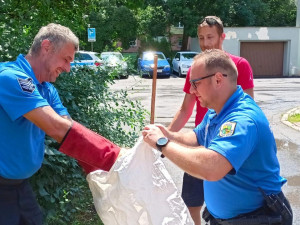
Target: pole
column 154, row 76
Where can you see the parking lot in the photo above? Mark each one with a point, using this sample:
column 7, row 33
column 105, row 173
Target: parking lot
column 275, row 96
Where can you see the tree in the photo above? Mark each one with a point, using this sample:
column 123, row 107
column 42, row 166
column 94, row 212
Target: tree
column 232, row 12
column 131, row 4
column 21, row 20
column 152, row 21
column 113, row 23
column 281, row 13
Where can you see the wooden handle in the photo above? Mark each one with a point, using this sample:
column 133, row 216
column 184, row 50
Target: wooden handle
column 154, row 77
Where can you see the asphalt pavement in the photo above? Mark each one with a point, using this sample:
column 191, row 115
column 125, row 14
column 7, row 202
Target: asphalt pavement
column 277, row 97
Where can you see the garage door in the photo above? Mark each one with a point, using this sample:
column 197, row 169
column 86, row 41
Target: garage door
column 265, row 58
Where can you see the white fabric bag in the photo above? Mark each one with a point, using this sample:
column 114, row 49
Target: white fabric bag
column 138, row 190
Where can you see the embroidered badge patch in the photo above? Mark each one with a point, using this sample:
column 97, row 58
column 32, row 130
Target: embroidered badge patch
column 227, row 129
column 26, row 85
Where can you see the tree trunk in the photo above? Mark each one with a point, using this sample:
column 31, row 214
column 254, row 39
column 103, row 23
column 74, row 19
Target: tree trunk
column 185, row 39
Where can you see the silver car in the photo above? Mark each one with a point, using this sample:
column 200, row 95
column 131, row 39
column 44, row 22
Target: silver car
column 114, row 61
column 182, row 62
column 85, row 58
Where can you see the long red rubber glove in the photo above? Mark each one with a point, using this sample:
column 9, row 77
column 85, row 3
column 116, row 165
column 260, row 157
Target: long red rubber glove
column 89, row 148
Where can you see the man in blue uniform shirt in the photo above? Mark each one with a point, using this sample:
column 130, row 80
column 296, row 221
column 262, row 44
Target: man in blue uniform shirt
column 233, row 150
column 30, row 108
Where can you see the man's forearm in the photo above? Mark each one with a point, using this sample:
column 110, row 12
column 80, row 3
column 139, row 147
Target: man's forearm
column 184, row 113
column 198, row 161
column 187, row 138
column 179, row 120
column 89, row 147
column 50, row 122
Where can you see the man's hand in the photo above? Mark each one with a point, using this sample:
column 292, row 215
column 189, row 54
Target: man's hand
column 152, row 133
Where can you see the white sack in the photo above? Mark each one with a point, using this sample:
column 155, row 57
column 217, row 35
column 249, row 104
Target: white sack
column 138, row 190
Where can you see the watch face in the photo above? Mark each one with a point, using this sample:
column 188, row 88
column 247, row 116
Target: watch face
column 162, row 141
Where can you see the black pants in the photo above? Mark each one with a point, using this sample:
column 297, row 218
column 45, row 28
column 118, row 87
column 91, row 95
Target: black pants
column 264, row 211
column 18, row 205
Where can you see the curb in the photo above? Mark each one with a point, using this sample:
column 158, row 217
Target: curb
column 284, row 118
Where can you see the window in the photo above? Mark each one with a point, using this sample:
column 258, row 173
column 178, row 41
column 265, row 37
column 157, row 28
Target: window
column 133, row 43
column 83, row 56
column 179, row 42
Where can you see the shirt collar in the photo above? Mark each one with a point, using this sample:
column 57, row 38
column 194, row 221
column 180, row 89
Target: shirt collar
column 234, row 98
column 25, row 65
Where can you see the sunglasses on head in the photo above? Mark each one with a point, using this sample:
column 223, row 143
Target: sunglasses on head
column 210, row 21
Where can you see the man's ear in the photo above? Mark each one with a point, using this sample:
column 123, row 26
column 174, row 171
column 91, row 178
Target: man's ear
column 219, row 78
column 46, row 45
column 223, row 36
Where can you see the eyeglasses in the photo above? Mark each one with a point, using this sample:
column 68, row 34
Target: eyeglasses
column 193, row 82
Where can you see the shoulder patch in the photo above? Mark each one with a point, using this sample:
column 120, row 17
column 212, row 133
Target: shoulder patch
column 227, row 129
column 26, row 85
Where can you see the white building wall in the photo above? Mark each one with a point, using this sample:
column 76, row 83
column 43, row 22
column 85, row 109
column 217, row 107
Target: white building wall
column 289, row 35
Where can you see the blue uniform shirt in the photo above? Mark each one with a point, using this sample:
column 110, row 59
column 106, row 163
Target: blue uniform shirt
column 21, row 142
column 242, row 134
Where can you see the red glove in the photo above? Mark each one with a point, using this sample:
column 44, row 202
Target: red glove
column 89, row 148
column 87, row 167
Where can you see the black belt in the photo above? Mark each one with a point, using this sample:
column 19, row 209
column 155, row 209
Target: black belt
column 5, row 181
column 258, row 216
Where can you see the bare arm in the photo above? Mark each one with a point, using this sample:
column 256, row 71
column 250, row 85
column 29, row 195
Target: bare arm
column 188, row 155
column 187, row 138
column 49, row 121
column 184, row 113
column 250, row 92
column 199, row 161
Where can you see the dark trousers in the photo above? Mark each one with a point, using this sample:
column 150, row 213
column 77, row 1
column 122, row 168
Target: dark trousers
column 18, row 205
column 262, row 214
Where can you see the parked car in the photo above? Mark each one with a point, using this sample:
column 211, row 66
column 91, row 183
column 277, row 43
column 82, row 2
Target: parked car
column 182, row 62
column 114, row 61
column 85, row 58
column 146, row 64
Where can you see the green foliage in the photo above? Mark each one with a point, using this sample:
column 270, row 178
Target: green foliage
column 152, row 21
column 131, row 4
column 113, row 23
column 281, row 13
column 21, row 20
column 124, row 20
column 86, row 95
column 132, row 60
column 60, row 185
column 232, row 12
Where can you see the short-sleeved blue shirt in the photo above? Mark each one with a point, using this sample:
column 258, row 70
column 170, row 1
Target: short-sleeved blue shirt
column 242, row 134
column 22, row 142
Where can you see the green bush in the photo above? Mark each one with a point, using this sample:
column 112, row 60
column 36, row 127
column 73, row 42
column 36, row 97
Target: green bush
column 60, row 184
column 132, row 61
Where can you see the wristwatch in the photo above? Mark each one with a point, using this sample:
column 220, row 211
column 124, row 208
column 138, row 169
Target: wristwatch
column 162, row 142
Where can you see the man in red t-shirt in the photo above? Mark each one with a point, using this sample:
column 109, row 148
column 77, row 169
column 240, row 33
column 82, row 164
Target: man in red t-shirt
column 211, row 36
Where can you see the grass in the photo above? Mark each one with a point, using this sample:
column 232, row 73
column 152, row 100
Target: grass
column 87, row 216
column 295, row 118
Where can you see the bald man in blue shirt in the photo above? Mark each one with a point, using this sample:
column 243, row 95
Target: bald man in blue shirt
column 233, row 149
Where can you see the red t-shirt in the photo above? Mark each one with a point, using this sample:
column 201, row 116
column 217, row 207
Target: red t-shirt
column 245, row 79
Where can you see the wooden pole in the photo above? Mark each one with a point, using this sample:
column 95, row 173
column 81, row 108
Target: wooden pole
column 154, row 76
